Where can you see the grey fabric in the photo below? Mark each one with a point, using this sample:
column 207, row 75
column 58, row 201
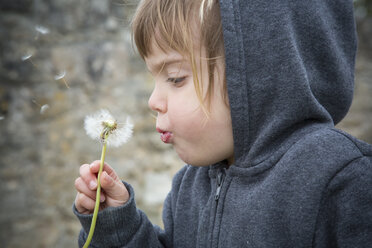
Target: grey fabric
column 297, row 181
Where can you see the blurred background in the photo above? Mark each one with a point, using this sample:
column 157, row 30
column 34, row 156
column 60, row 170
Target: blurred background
column 62, row 60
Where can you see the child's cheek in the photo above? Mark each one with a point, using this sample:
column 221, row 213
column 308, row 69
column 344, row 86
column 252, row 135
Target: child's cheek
column 183, row 103
column 190, row 125
column 184, row 111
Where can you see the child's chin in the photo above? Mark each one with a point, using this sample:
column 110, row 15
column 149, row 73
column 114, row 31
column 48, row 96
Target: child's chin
column 192, row 160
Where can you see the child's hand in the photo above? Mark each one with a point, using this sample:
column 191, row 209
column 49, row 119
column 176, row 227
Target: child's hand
column 113, row 191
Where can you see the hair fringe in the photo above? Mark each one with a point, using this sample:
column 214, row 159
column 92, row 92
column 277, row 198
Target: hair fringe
column 171, row 25
column 202, row 7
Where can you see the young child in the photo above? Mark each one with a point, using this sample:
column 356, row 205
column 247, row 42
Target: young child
column 248, row 93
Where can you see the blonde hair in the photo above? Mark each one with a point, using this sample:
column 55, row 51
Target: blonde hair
column 173, row 24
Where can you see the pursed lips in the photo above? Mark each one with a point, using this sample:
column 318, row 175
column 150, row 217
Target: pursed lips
column 165, row 136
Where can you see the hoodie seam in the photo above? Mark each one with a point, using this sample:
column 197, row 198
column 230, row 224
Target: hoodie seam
column 245, row 93
column 241, row 57
column 299, row 140
column 324, row 193
column 352, row 141
column 271, row 159
column 242, row 76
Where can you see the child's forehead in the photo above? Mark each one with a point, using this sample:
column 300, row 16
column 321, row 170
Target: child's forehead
column 157, row 63
column 161, row 57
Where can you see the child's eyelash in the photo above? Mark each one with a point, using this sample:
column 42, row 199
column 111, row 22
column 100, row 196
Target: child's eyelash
column 176, row 80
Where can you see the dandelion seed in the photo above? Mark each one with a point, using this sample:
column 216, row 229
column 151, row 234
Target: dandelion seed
column 61, row 76
column 44, row 108
column 103, row 123
column 2, row 118
column 28, row 57
column 42, row 30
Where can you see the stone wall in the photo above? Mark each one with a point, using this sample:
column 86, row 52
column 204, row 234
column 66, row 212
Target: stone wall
column 43, row 142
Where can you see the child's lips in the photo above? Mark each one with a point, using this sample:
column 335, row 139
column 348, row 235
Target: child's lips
column 165, row 136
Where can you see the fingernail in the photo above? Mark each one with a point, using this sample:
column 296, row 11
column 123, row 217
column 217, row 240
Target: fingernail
column 92, row 184
column 102, row 198
column 91, row 165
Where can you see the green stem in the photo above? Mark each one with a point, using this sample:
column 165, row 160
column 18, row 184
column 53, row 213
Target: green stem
column 98, row 196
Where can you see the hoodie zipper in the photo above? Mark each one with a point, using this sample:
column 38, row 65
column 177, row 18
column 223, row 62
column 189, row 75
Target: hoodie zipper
column 219, row 180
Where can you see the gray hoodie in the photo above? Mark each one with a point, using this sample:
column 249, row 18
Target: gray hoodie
column 297, row 181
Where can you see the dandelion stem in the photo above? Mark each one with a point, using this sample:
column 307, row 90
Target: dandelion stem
column 65, row 82
column 98, row 195
column 33, row 63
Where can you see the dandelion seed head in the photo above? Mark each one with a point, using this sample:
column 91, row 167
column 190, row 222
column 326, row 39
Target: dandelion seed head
column 121, row 135
column 42, row 30
column 102, row 121
column 110, row 123
column 60, row 75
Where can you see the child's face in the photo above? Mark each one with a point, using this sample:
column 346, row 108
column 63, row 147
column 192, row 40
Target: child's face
column 198, row 140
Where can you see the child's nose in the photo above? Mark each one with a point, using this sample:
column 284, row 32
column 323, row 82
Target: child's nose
column 157, row 101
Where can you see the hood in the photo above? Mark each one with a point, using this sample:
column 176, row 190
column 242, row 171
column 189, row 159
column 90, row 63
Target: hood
column 289, row 71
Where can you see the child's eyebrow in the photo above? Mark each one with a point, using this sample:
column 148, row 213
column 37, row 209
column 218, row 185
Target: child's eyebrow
column 158, row 67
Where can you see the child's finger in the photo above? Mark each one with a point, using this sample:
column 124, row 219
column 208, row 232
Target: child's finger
column 89, row 178
column 94, row 168
column 82, row 187
column 84, row 203
column 107, row 182
column 114, row 189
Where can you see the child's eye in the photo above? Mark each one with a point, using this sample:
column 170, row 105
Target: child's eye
column 176, row 80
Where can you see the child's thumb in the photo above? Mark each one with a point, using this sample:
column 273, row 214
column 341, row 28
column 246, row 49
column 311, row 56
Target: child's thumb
column 112, row 187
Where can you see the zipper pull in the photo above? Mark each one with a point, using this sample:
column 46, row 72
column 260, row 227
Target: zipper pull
column 220, row 179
